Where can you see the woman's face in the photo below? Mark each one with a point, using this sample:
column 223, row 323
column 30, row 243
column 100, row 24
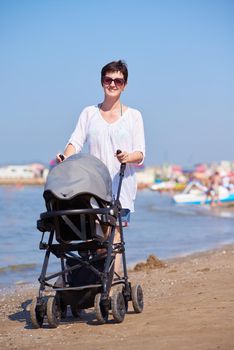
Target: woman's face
column 113, row 84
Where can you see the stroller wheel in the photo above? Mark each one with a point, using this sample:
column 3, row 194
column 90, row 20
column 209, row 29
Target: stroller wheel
column 53, row 311
column 101, row 309
column 37, row 312
column 118, row 307
column 75, row 311
column 62, row 305
column 137, row 298
column 63, row 311
column 126, row 291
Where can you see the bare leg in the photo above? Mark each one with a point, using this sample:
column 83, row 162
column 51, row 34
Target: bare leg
column 118, row 257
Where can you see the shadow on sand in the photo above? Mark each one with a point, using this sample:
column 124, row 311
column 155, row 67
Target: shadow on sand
column 85, row 316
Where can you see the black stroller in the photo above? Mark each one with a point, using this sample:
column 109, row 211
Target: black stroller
column 81, row 218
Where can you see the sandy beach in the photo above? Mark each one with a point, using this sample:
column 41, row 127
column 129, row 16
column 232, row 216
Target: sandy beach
column 189, row 304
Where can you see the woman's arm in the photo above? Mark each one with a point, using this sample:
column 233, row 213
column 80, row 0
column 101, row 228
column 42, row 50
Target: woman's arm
column 77, row 138
column 69, row 151
column 134, row 157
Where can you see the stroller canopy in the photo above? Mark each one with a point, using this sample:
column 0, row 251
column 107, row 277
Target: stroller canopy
column 79, row 174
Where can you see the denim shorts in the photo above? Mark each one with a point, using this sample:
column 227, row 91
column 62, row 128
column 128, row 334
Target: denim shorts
column 125, row 217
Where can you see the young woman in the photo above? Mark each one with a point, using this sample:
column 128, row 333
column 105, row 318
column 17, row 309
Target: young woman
column 111, row 126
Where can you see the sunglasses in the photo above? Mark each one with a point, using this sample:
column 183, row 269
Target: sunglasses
column 117, row 81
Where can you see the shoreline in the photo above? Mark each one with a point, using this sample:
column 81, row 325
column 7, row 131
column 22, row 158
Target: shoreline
column 189, row 304
column 130, row 266
column 22, row 182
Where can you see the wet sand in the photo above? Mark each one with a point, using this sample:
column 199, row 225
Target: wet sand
column 189, row 304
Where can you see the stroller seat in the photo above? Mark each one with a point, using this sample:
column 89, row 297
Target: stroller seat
column 80, row 227
column 82, row 182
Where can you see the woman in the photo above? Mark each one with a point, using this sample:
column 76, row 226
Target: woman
column 111, row 126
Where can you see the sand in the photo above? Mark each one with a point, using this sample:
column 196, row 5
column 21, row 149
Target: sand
column 189, row 304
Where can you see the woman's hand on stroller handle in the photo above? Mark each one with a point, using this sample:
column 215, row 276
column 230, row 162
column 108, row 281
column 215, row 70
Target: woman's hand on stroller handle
column 60, row 157
column 122, row 156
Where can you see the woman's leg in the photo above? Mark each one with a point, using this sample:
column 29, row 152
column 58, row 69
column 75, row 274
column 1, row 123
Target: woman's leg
column 118, row 257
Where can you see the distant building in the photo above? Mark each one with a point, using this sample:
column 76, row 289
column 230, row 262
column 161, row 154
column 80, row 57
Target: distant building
column 146, row 176
column 16, row 172
column 21, row 172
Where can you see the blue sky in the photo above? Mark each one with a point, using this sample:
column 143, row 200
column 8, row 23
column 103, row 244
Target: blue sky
column 180, row 57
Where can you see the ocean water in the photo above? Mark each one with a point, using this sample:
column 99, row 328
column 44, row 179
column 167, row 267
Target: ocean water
column 158, row 227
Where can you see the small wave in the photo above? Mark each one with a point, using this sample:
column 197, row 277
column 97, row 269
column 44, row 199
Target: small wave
column 17, row 268
column 225, row 213
column 174, row 211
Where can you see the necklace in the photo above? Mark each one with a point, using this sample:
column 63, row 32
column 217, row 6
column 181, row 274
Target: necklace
column 121, row 108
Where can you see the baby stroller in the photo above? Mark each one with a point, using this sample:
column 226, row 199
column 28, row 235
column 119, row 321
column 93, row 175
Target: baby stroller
column 81, row 218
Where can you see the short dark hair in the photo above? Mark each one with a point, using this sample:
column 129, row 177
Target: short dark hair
column 115, row 66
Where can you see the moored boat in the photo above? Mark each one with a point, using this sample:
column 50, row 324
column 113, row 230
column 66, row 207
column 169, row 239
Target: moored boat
column 196, row 193
column 167, row 186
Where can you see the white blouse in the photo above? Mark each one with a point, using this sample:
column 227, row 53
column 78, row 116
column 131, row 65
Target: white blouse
column 104, row 139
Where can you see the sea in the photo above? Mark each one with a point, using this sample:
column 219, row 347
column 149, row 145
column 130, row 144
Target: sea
column 158, row 227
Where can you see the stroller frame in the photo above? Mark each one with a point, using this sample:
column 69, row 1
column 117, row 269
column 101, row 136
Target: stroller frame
column 55, row 306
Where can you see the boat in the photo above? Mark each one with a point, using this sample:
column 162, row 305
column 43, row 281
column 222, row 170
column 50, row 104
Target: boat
column 196, row 193
column 167, row 186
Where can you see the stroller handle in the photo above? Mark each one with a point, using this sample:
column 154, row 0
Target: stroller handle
column 123, row 165
column 121, row 175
